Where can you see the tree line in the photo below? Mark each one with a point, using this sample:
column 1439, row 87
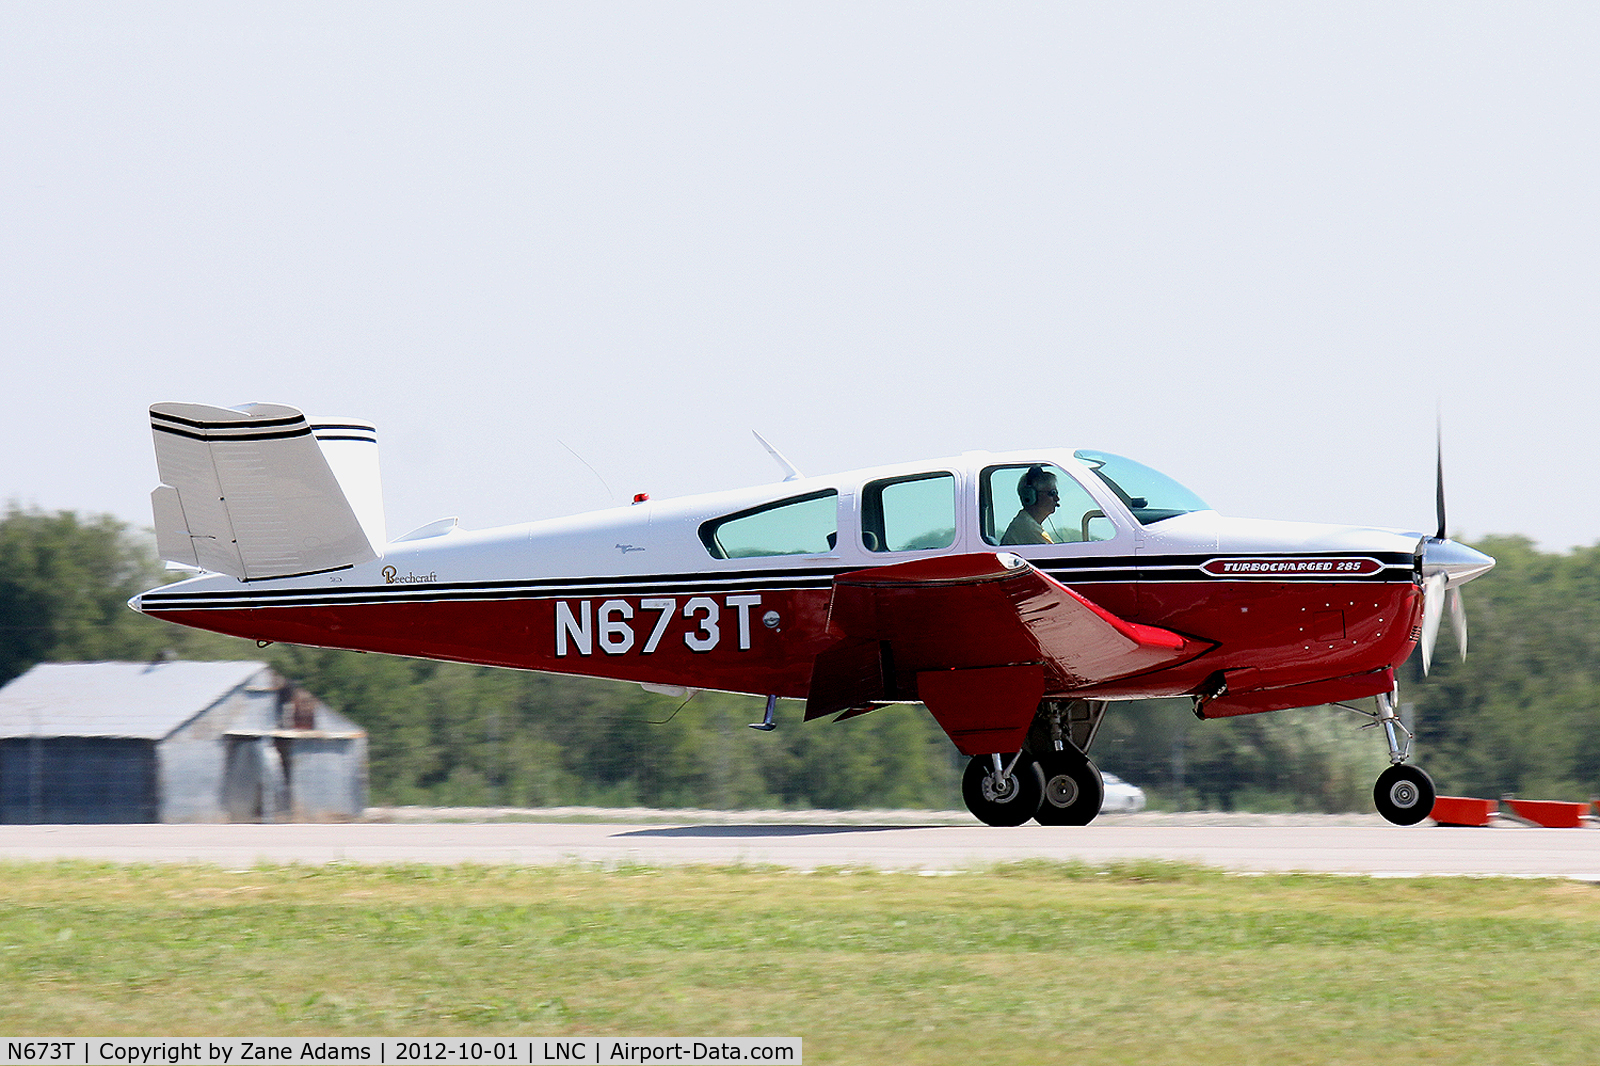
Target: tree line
column 1522, row 714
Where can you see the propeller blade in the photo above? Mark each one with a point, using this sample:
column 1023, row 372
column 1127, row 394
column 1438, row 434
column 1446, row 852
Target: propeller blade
column 1433, row 595
column 1458, row 618
column 1438, row 482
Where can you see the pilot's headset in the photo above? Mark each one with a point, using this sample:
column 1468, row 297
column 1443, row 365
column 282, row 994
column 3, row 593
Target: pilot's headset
column 1028, row 487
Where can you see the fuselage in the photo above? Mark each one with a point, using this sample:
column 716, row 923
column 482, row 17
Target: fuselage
column 731, row 590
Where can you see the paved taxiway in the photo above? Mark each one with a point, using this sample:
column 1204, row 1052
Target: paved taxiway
column 1380, row 851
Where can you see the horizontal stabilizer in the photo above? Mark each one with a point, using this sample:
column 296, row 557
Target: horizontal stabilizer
column 249, row 491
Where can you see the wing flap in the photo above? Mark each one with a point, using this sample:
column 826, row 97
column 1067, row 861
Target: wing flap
column 253, row 492
column 986, row 709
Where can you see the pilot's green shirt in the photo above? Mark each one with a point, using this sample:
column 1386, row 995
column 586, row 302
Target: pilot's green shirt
column 1024, row 530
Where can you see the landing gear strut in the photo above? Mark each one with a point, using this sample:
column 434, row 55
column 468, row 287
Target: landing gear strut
column 1060, row 739
column 1073, row 789
column 1002, row 790
column 1404, row 794
column 1051, row 780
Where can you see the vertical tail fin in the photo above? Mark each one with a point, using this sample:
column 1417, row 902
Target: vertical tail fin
column 258, row 492
column 350, row 447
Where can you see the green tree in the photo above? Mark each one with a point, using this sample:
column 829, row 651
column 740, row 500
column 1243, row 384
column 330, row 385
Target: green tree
column 1522, row 713
column 64, row 586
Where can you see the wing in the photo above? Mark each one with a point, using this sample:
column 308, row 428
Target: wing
column 248, row 492
column 979, row 639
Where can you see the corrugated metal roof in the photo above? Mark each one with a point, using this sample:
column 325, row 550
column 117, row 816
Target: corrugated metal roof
column 145, row 700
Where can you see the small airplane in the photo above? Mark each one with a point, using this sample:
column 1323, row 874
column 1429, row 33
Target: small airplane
column 1014, row 595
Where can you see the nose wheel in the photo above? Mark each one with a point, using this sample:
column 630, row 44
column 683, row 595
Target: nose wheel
column 1404, row 794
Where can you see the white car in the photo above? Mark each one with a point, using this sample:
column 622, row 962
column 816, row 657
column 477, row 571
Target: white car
column 1120, row 796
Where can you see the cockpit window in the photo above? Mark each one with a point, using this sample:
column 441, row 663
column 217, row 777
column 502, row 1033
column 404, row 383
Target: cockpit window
column 1150, row 495
column 1038, row 503
column 803, row 525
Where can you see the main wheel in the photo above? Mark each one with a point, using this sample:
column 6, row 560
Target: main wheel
column 1073, row 789
column 1404, row 794
column 996, row 799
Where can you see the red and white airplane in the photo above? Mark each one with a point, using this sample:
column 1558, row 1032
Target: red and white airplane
column 1014, row 595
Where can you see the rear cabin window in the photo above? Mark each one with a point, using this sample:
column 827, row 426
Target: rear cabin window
column 914, row 513
column 1038, row 503
column 804, row 525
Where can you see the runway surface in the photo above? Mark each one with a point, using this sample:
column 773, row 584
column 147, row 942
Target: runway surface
column 1380, row 851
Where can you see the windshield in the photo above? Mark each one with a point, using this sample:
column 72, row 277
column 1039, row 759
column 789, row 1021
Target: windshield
column 1150, row 495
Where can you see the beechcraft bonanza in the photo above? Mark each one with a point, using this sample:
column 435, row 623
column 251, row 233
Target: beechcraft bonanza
column 1014, row 595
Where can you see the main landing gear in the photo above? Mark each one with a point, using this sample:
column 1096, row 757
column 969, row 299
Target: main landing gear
column 1073, row 789
column 1051, row 780
column 1404, row 794
column 1002, row 790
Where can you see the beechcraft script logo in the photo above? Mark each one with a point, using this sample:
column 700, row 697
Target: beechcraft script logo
column 1279, row 568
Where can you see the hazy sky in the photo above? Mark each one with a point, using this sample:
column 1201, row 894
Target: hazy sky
column 1253, row 245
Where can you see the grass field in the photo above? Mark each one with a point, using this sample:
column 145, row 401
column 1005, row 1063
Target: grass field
column 1031, row 963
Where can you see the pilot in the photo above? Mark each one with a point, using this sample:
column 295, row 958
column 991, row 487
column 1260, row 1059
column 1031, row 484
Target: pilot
column 1040, row 497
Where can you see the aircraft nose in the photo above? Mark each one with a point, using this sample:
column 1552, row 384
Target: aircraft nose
column 136, row 603
column 1457, row 562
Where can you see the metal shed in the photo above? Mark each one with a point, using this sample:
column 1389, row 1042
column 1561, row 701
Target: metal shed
column 174, row 742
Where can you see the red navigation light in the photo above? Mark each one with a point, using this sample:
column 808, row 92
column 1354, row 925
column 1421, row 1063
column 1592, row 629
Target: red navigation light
column 640, row 497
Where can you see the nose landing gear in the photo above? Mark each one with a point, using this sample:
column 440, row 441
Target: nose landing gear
column 1403, row 794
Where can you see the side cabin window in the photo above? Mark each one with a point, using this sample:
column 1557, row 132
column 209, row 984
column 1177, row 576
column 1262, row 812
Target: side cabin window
column 1038, row 503
column 913, row 513
column 802, row 525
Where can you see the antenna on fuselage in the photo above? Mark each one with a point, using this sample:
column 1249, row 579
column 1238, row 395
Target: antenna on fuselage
column 611, row 496
column 790, row 471
column 767, row 724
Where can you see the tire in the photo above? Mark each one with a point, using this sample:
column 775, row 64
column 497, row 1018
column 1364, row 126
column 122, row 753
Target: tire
column 1073, row 789
column 1404, row 794
column 1010, row 801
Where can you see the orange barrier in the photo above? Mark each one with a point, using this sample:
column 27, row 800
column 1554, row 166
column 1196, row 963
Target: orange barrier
column 1463, row 810
column 1552, row 814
